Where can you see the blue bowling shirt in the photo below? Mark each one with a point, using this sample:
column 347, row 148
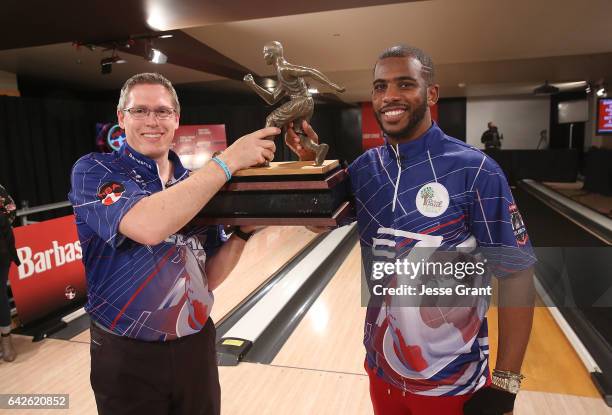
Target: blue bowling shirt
column 150, row 293
column 435, row 193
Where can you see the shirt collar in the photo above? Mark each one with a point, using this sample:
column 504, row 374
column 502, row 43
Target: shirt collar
column 142, row 163
column 419, row 145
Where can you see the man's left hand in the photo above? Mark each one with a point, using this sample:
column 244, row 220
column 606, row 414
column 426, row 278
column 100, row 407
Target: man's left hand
column 293, row 141
column 490, row 401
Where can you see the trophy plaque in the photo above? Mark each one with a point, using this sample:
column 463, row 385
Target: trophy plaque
column 285, row 193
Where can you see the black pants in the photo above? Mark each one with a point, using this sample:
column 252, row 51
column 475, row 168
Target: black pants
column 5, row 309
column 178, row 377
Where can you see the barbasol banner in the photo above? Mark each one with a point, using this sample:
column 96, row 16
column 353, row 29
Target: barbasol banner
column 51, row 274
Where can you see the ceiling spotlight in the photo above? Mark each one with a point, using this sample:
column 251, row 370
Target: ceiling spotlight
column 601, row 92
column 313, row 90
column 106, row 64
column 157, row 56
column 546, row 89
column 166, row 36
column 588, row 89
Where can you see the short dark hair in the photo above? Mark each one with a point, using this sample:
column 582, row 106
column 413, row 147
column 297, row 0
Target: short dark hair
column 405, row 51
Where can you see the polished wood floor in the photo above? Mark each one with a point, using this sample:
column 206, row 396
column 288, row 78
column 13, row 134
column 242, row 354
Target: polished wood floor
column 576, row 192
column 320, row 368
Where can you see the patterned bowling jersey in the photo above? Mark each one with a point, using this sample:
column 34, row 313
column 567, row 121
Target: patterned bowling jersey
column 414, row 201
column 149, row 293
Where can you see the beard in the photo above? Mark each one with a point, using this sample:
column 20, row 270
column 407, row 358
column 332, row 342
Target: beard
column 416, row 116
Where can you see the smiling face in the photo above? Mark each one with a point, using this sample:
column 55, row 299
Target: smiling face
column 401, row 98
column 150, row 137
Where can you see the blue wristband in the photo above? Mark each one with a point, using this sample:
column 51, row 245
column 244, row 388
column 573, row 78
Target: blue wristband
column 226, row 170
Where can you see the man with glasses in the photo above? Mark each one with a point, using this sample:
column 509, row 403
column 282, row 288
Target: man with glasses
column 149, row 276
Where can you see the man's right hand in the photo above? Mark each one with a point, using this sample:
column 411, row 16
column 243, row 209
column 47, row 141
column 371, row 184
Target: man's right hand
column 490, row 401
column 250, row 150
column 293, row 141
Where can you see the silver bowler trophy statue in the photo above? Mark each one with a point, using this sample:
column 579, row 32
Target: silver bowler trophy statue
column 300, row 106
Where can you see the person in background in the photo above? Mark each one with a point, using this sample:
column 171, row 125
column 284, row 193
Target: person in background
column 543, row 140
column 8, row 254
column 491, row 138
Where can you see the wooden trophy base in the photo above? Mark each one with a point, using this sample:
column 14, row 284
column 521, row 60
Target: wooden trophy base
column 285, row 193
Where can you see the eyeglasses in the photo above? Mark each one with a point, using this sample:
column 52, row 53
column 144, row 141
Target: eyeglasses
column 140, row 113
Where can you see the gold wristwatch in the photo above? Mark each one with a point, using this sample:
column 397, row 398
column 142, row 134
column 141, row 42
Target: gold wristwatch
column 507, row 381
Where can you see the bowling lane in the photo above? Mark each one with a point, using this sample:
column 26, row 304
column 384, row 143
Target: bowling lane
column 51, row 367
column 551, row 364
column 246, row 389
column 329, row 338
column 252, row 388
column 267, row 251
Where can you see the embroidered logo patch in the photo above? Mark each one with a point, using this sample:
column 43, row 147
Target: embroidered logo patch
column 432, row 200
column 110, row 192
column 518, row 226
column 70, row 292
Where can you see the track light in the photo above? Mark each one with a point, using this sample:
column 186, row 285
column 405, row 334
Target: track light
column 157, row 56
column 546, row 89
column 601, row 92
column 106, row 64
column 105, row 67
column 150, row 53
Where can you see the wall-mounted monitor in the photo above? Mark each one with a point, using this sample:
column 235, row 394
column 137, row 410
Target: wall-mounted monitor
column 604, row 116
column 573, row 111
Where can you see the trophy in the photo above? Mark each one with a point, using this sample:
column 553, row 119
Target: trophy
column 285, row 193
column 300, row 106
